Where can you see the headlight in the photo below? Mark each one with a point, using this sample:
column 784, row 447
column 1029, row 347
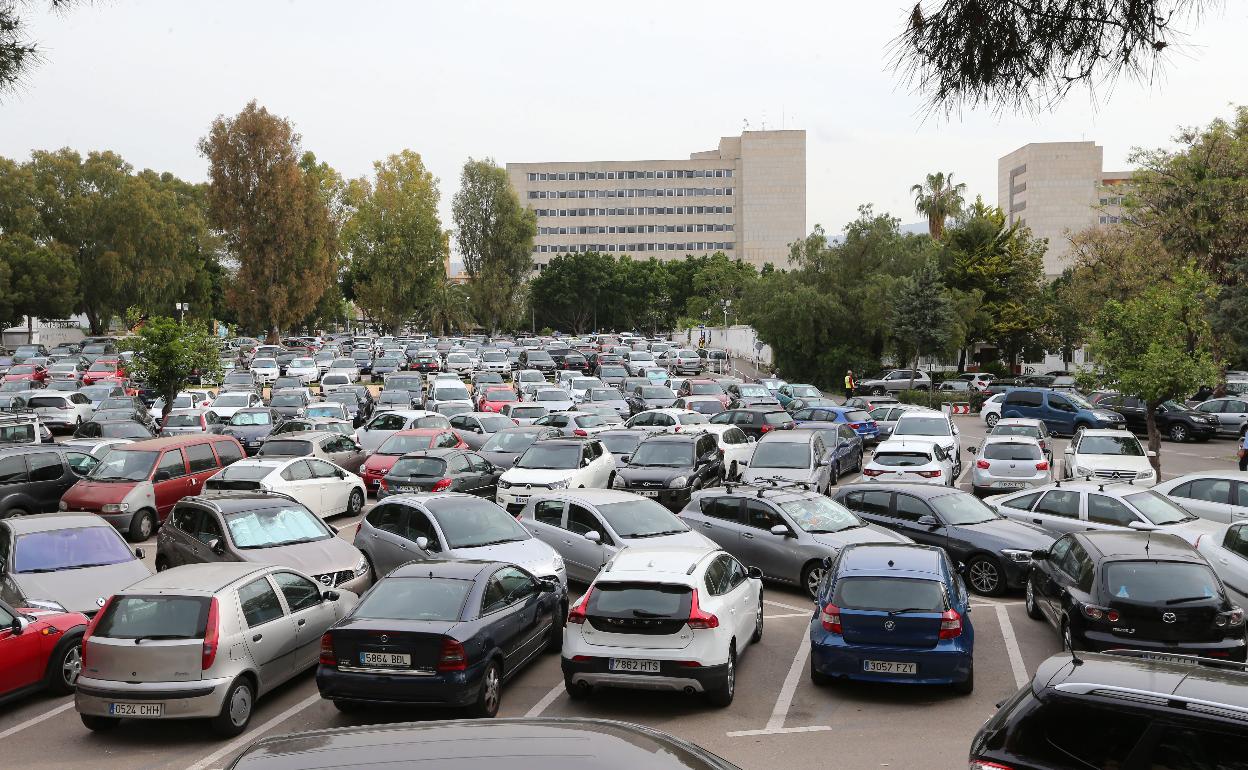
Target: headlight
column 42, row 604
column 115, row 507
column 1078, row 471
column 679, row 481
column 617, row 482
column 1013, row 554
column 503, row 484
column 558, row 563
column 361, row 567
column 558, row 485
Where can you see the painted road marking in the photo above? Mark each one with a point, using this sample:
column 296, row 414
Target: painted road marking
column 1011, row 647
column 251, row 735
column 775, row 725
column 36, row 720
column 545, row 702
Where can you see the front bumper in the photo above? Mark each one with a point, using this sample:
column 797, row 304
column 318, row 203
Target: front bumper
column 449, row 688
column 672, row 498
column 181, row 700
column 673, row 675
column 946, row 663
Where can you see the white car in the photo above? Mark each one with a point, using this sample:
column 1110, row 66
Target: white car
column 937, row 426
column 1210, row 495
column 303, row 368
column 443, row 393
column 555, row 463
column 910, row 459
column 554, row 399
column 667, row 420
column 227, row 404
column 736, row 448
column 495, row 361
column 266, row 370
column 579, row 387
column 707, row 405
column 1226, row 550
column 637, row 361
column 672, row 618
column 58, row 409
column 385, row 424
column 1106, row 454
column 345, row 367
column 990, row 412
column 323, row 487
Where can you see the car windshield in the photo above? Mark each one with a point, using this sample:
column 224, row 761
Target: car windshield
column 451, row 394
column 232, row 399
column 1157, row 508
column 495, row 422
column 657, row 391
column 922, row 426
column 1161, row 582
column 819, row 514
column 1015, row 430
column 251, row 418
column 419, row 466
column 1119, row 446
column 286, row 399
column 502, row 396
column 587, row 383
column 240, row 472
column 124, row 466
column 806, row 391
column 753, row 391
column 390, row 362
column 663, row 454
column 64, row 549
column 272, row 527
column 415, row 598
column 641, row 518
column 781, row 454
column 960, row 509
column 778, row 418
column 153, row 617
column 622, row 444
column 692, row 418
column 508, row 442
column 551, row 395
column 613, row 371
column 471, row 523
column 1012, row 451
column 101, row 415
column 528, row 412
column 399, row 444
column 892, row 459
column 183, row 421
column 890, row 594
column 1077, row 399
column 284, row 448
column 390, row 397
column 326, row 410
column 542, row 456
column 705, row 389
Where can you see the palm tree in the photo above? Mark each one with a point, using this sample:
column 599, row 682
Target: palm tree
column 446, row 308
column 938, row 198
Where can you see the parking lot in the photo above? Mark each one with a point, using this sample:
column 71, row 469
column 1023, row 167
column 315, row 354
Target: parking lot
column 778, row 715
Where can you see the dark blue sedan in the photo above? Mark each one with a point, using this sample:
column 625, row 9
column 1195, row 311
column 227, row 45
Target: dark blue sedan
column 893, row 613
column 441, row 633
column 862, row 423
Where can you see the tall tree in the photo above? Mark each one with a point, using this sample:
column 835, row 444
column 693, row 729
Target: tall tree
column 167, row 354
column 923, row 322
column 18, row 53
column 446, row 308
column 397, row 244
column 938, row 199
column 494, row 233
column 566, row 294
column 718, row 285
column 272, row 215
column 42, row 279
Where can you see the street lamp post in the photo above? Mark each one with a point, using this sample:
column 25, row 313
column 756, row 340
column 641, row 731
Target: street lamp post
column 181, row 307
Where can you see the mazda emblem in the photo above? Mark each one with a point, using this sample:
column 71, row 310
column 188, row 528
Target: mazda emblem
column 889, row 625
column 1169, row 617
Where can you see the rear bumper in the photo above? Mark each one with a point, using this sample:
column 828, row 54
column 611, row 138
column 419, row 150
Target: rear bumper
column 181, row 700
column 1227, row 648
column 457, row 688
column 672, row 676
column 946, row 663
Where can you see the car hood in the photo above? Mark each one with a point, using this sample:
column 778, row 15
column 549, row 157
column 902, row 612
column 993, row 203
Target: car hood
column 537, row 476
column 1191, row 531
column 658, row 403
column 759, row 401
column 81, row 590
column 249, row 432
column 97, row 493
column 532, row 554
column 1112, row 462
column 872, row 533
column 555, row 406
column 333, row 554
column 501, row 459
column 689, row 539
column 1005, row 533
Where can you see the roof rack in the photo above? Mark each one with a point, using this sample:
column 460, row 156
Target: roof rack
column 1181, row 702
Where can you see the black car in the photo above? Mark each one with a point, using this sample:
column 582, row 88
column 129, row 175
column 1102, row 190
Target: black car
column 291, row 403
column 670, row 467
column 621, row 443
column 441, row 470
column 363, row 361
column 36, row 475
column 1127, row 710
column 250, row 426
column 426, row 363
column 114, row 429
column 756, row 421
column 505, row 447
column 643, row 397
column 1173, row 419
column 281, row 383
column 441, row 633
column 576, row 362
column 996, row 551
column 355, row 406
column 1148, row 591
column 539, row 360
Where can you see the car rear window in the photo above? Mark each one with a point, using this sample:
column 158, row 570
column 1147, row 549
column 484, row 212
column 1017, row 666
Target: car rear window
column 154, row 617
column 778, row 418
column 438, row 599
column 273, row 448
column 1155, row 582
column 636, row 600
column 419, row 466
column 1016, row 430
column 884, row 593
column 1012, row 451
column 182, row 421
column 857, row 415
column 900, row 459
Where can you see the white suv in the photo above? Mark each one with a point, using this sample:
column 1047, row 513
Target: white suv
column 930, row 425
column 562, row 463
column 672, row 618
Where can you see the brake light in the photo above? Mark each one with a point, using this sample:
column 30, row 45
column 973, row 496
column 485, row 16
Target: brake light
column 930, row 474
column 765, row 428
column 982, row 764
column 831, row 619
column 1043, row 465
column 699, row 620
column 984, row 464
column 453, row 657
column 442, row 485
column 95, row 621
column 855, row 425
column 212, row 637
column 1092, row 612
column 873, row 472
column 950, row 624
column 327, row 651
column 579, row 432
column 577, row 613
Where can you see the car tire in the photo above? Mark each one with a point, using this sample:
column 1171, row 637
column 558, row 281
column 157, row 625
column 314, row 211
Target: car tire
column 1029, row 602
column 991, row 419
column 490, row 694
column 858, row 463
column 966, row 686
column 1178, row 433
column 554, row 642
column 372, row 570
column 240, row 702
column 721, row 696
column 576, row 691
column 757, row 636
column 99, row 724
column 985, row 576
column 141, row 526
column 16, row 512
column 734, row 473
column 817, row 677
column 65, row 665
column 355, row 503
column 812, row 576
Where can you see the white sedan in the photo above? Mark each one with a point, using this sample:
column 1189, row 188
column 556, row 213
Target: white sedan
column 736, row 448
column 1226, row 550
column 303, row 368
column 1108, row 455
column 910, row 459
column 323, row 487
column 227, row 404
column 266, row 370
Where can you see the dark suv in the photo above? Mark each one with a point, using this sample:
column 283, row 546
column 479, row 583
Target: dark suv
column 756, row 420
column 1144, row 590
column 1173, row 419
column 669, row 468
column 1128, row 710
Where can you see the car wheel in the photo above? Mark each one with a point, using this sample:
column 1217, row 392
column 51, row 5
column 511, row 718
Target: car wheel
column 817, row 677
column 490, row 693
column 576, row 691
column 858, row 463
column 985, row 576
column 1029, row 602
column 355, row 503
column 99, row 724
column 236, row 711
column 758, row 622
column 812, row 576
column 921, row 388
column 1178, row 433
column 734, row 473
column 16, row 512
column 162, row 564
column 991, row 419
column 65, row 665
column 554, row 642
column 372, row 570
column 877, row 391
column 721, row 696
column 142, row 526
column 966, row 686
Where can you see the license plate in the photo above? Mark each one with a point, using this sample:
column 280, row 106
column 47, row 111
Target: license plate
column 407, row 489
column 385, row 659
column 1010, row 484
column 889, row 667
column 136, row 709
column 635, row 666
column 521, row 499
column 648, row 493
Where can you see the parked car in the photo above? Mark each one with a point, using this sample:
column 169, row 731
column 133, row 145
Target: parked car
column 886, row 417
column 669, row 468
column 226, row 404
column 1064, row 413
column 1220, row 496
column 1008, row 462
column 1076, row 506
column 736, row 450
column 1111, row 455
column 893, row 613
column 860, row 421
column 934, row 426
column 755, row 421
column 791, row 457
column 644, row 397
column 611, row 374
column 441, row 470
column 250, row 426
column 1226, row 550
column 573, row 424
column 42, row 650
column 66, row 411
column 1033, row 429
column 381, row 427
column 1173, row 420
column 378, row 464
column 242, row 628
column 475, row 428
column 686, row 362
column 1231, row 412
column 337, row 448
column 324, row 488
column 563, row 463
column 870, row 403
column 895, row 381
column 920, row 460
column 181, row 422
column 290, row 403
column 504, row 447
column 524, row 413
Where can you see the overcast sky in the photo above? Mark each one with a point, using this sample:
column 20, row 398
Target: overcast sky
column 563, row 81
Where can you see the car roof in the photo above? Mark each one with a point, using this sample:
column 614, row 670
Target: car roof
column 458, row 569
column 232, row 501
column 1142, row 545
column 909, row 442
column 892, row 560
column 1027, row 421
column 46, row 522
column 1113, row 488
column 670, row 561
column 164, row 442
column 1107, row 432
column 925, row 491
column 682, row 438
column 203, row 579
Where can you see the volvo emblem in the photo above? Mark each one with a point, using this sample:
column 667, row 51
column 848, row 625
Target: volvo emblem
column 385, row 638
column 889, row 625
column 1168, row 617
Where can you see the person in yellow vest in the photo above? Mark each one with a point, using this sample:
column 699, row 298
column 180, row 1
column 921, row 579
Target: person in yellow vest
column 849, row 384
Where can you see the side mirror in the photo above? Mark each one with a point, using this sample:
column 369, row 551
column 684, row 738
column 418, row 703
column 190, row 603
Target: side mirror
column 1039, row 554
column 217, row 546
column 625, row 458
column 928, row 521
column 593, row 537
column 754, row 572
column 340, row 474
column 780, row 531
column 751, row 440
column 1141, row 526
column 139, row 553
column 422, row 543
column 161, row 476
column 19, row 624
column 330, row 596
column 955, row 430
column 548, row 585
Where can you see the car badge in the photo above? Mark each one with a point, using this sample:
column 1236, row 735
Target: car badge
column 385, row 638
column 889, row 625
column 1169, row 617
column 528, row 486
column 99, row 601
column 327, row 579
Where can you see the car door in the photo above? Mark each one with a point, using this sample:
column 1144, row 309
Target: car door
column 299, row 482
column 384, row 538
column 721, row 519
column 1209, row 498
column 23, row 655
column 205, row 530
column 270, row 634
column 1231, row 561
column 776, row 555
column 547, row 525
column 48, row 479
column 1105, row 512
column 1049, row 583
column 587, row 556
column 873, row 505
column 1058, row 512
column 485, row 473
column 311, row 614
column 1133, row 411
column 505, row 618
column 333, row 488
column 462, row 478
column 602, row 466
column 908, row 510
column 170, row 481
column 201, row 464
column 1060, row 414
column 741, row 599
column 524, row 601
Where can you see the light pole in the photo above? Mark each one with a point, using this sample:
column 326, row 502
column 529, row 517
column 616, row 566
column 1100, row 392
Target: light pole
column 181, row 307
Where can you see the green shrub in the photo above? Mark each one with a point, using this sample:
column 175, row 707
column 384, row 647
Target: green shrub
column 933, row 399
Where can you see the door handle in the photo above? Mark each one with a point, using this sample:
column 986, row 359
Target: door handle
column 747, row 536
column 301, row 621
column 705, row 525
column 1033, row 521
column 567, row 542
column 403, row 546
column 257, row 637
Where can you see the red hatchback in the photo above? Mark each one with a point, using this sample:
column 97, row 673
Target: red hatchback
column 103, row 368
column 493, row 398
column 41, row 649
column 26, row 373
column 380, row 462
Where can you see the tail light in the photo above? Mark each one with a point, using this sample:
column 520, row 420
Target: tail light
column 855, row 425
column 982, row 764
column 983, row 464
column 95, row 621
column 950, row 624
column 930, row 474
column 579, row 432
column 328, row 658
column 442, row 485
column 1092, row 612
column 831, row 619
column 1043, row 465
column 699, row 620
column 212, row 637
column 452, row 657
column 765, row 428
column 383, row 485
column 577, row 613
column 872, row 472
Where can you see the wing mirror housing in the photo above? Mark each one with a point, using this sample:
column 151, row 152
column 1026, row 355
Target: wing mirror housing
column 754, row 572
column 1141, row 526
column 780, row 531
column 139, row 553
column 928, row 521
column 331, row 596
column 593, row 537
column 1151, row 453
column 422, row 543
column 217, row 546
column 972, row 449
column 161, row 476
column 548, row 585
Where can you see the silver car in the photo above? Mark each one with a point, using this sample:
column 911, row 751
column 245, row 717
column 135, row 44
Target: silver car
column 1231, row 413
column 203, row 641
column 1216, row 495
column 182, row 422
column 382, row 426
column 340, row 450
column 589, row 526
column 887, row 415
column 791, row 456
column 895, row 381
column 1007, row 463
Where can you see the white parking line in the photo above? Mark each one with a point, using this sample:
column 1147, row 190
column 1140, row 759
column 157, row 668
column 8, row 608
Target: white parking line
column 249, row 736
column 783, row 606
column 545, row 702
column 775, row 725
column 1011, row 647
column 36, row 720
column 787, row 615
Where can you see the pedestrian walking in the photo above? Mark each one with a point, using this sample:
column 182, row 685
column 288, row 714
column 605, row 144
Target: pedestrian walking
column 1243, row 453
column 850, row 384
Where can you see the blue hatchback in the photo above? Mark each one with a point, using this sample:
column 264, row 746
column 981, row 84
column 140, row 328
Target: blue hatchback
column 862, row 423
column 893, row 613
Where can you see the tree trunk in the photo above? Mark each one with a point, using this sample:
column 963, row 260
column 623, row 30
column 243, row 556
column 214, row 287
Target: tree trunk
column 271, row 339
column 170, row 394
column 1154, row 437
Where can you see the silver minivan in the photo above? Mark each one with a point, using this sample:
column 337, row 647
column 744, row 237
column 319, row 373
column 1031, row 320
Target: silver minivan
column 202, row 641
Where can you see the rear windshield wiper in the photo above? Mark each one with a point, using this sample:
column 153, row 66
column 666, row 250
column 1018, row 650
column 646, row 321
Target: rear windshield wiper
column 904, row 610
column 1186, row 599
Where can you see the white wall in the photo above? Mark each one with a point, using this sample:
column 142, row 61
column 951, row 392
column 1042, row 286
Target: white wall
column 739, row 341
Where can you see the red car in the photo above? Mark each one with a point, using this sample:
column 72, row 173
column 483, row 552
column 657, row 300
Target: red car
column 41, row 649
column 493, row 398
column 705, row 388
column 103, row 368
column 26, row 373
column 380, row 462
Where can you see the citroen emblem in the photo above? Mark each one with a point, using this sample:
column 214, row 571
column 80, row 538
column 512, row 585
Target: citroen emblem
column 1168, row 617
column 889, row 625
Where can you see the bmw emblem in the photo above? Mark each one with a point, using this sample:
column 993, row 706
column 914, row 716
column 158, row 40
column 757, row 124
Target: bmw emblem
column 99, row 601
column 889, row 625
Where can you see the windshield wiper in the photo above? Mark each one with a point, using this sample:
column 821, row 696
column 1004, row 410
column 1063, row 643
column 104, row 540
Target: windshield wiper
column 656, row 534
column 491, row 542
column 904, row 610
column 1186, row 599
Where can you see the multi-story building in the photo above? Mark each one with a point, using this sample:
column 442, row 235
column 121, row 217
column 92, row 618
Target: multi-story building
column 747, row 199
column 1059, row 189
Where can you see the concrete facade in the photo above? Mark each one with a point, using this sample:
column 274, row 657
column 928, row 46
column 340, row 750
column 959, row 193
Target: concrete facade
column 1059, row 189
column 746, row 198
